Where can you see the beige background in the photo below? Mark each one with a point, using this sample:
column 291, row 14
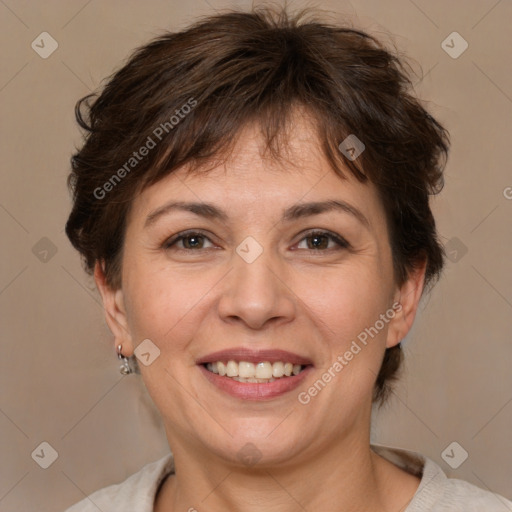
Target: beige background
column 59, row 375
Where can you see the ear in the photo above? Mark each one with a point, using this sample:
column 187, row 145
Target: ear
column 407, row 299
column 115, row 313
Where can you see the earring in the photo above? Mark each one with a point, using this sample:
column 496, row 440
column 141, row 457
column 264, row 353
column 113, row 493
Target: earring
column 125, row 367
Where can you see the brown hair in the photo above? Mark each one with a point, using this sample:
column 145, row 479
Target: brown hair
column 185, row 95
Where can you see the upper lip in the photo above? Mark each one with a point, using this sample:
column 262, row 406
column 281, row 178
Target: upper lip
column 254, row 356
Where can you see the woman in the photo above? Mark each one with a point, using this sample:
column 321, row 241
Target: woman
column 253, row 201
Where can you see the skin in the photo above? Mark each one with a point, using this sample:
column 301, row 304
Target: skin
column 312, row 302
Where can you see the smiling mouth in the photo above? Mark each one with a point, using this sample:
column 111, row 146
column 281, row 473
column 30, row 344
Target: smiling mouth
column 261, row 373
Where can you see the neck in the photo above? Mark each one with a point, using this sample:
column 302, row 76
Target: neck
column 347, row 474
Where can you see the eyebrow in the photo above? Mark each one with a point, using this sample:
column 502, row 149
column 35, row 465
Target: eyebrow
column 297, row 211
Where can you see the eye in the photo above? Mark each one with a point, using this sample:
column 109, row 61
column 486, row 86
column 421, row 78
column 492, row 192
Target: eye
column 319, row 240
column 189, row 240
column 314, row 241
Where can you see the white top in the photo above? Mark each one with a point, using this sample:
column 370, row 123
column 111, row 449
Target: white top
column 436, row 492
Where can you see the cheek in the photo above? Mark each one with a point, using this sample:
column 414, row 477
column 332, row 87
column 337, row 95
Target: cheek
column 347, row 315
column 344, row 302
column 164, row 305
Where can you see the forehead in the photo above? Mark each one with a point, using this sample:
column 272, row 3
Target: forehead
column 251, row 182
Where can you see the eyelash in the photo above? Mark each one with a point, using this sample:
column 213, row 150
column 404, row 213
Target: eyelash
column 342, row 243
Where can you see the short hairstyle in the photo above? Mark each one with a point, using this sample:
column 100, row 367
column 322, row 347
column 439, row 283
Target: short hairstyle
column 181, row 100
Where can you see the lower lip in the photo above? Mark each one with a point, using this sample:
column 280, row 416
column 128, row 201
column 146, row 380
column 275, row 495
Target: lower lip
column 255, row 390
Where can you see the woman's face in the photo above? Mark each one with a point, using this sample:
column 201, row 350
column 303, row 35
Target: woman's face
column 266, row 273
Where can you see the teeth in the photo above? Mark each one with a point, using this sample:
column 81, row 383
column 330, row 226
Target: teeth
column 278, row 369
column 245, row 371
column 232, row 369
column 264, row 370
column 259, row 381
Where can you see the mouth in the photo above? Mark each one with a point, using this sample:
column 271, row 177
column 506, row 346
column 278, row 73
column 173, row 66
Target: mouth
column 254, row 375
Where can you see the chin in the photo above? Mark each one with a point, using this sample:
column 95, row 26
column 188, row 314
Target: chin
column 258, row 442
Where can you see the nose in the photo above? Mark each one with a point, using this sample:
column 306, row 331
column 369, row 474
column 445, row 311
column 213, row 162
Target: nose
column 257, row 294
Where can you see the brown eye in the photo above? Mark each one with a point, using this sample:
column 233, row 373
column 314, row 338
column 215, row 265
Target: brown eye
column 189, row 241
column 193, row 241
column 320, row 240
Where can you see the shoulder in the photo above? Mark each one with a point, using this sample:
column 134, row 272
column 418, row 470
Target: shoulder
column 437, row 492
column 461, row 496
column 137, row 492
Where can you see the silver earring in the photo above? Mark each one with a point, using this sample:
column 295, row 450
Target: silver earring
column 125, row 368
